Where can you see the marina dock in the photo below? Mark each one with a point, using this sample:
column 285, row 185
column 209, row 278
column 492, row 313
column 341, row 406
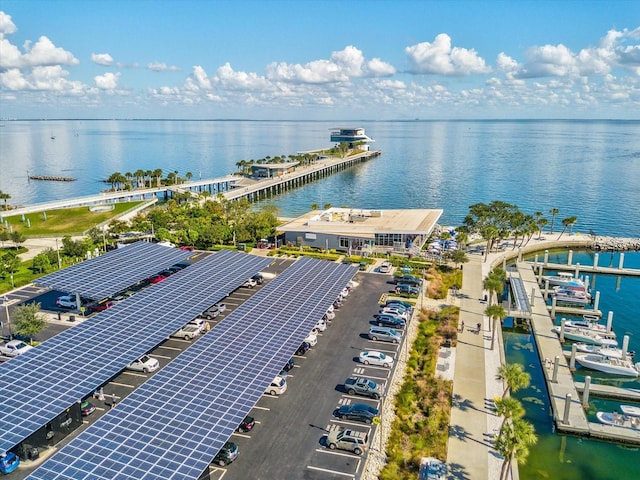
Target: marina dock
column 630, row 272
column 568, row 413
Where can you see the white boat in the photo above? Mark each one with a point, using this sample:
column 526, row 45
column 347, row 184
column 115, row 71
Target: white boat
column 617, row 420
column 561, row 279
column 630, row 410
column 606, row 364
column 600, row 350
column 432, row 469
column 586, row 336
column 574, row 297
column 587, row 325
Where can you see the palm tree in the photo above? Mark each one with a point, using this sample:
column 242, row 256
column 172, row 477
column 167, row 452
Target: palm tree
column 148, row 174
column 514, row 376
column 158, row 174
column 553, row 212
column 5, row 197
column 189, row 176
column 513, row 442
column 509, row 408
column 566, row 222
column 572, row 222
column 493, row 284
column 314, row 206
column 543, row 222
column 496, row 313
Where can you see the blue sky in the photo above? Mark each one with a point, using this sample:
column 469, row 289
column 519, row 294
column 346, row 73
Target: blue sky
column 319, row 60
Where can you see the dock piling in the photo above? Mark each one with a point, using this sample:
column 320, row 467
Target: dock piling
column 621, row 263
column 553, row 309
column 609, row 321
column 556, row 364
column 585, row 393
column 596, row 301
column 567, row 408
column 595, row 260
column 570, row 257
column 625, row 346
column 577, row 273
column 546, row 291
column 546, row 257
column 572, row 360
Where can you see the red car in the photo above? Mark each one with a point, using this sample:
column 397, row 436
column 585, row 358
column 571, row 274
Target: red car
column 186, row 249
column 157, row 278
column 100, row 306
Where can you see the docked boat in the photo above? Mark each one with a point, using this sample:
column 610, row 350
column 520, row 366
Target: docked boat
column 587, row 336
column 562, row 279
column 602, row 363
column 617, row 420
column 612, row 352
column 630, row 410
column 573, row 297
column 587, row 325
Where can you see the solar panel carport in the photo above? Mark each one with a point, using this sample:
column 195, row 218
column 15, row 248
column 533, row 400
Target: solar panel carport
column 174, row 424
column 50, row 378
column 108, row 274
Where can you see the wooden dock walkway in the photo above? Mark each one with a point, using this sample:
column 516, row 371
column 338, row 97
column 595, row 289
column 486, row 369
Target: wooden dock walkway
column 630, row 272
column 568, row 413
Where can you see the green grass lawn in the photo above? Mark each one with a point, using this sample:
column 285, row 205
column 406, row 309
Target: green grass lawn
column 65, row 221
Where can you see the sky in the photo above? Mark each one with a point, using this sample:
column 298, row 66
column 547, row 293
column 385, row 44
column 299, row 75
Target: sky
column 320, row 59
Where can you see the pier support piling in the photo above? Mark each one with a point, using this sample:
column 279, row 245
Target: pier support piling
column 533, row 296
column 577, row 272
column 625, row 346
column 567, row 409
column 546, row 293
column 570, row 257
column 553, row 308
column 572, row 360
column 621, row 263
column 596, row 301
column 556, row 365
column 585, row 393
column 595, row 261
column 546, row 257
column 609, row 321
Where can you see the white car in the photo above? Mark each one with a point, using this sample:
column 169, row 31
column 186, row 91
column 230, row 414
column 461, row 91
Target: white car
column 321, row 326
column 376, row 358
column 188, row 332
column 397, row 312
column 144, row 364
column 67, row 301
column 345, row 292
column 385, row 267
column 312, row 339
column 330, row 314
column 250, row 283
column 200, row 323
column 330, row 309
column 277, row 387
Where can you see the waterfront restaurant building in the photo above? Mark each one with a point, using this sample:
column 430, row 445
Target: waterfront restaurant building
column 272, row 170
column 362, row 232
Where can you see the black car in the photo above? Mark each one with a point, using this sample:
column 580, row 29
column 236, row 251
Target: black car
column 302, row 349
column 247, row 424
column 289, row 365
column 408, row 280
column 227, row 454
column 258, row 278
column 387, row 320
column 358, row 412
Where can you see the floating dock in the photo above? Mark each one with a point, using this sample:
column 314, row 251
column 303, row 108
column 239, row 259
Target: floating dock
column 568, row 413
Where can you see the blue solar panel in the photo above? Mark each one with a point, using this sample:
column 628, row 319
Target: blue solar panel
column 175, row 423
column 68, row 367
column 114, row 271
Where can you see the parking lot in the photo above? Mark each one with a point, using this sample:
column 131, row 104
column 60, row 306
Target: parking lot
column 288, row 440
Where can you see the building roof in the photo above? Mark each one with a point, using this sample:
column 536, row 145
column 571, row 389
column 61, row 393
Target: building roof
column 365, row 223
column 274, row 166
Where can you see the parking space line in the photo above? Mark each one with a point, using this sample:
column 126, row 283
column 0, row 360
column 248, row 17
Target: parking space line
column 261, row 408
column 385, row 351
column 171, row 348
column 332, row 472
column 347, row 422
column 371, row 377
column 122, row 384
column 240, row 435
column 377, row 368
column 333, row 452
column 134, row 374
column 161, row 356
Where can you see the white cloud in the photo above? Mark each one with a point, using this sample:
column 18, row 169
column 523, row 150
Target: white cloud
column 228, row 78
column 11, row 56
column 440, row 58
column 13, row 79
column 378, row 68
column 201, row 78
column 162, row 67
column 108, row 81
column 45, row 53
column 6, row 24
column 102, row 59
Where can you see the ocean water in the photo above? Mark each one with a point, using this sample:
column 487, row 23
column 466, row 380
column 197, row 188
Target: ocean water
column 587, row 169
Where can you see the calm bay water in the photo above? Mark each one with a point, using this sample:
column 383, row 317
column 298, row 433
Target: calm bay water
column 588, row 169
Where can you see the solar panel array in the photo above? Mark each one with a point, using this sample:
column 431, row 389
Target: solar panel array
column 37, row 386
column 114, row 271
column 173, row 425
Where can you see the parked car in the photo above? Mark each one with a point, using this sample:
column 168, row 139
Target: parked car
column 67, row 301
column 330, row 315
column 100, row 306
column 188, row 332
column 200, row 323
column 384, row 334
column 395, row 301
column 278, row 386
column 362, row 386
column 302, row 349
column 375, row 358
column 289, row 365
column 321, row 325
column 221, row 307
column 14, row 347
column 87, row 408
column 351, row 440
column 311, row 339
column 385, row 267
column 407, row 290
column 408, row 280
column 250, row 283
column 259, row 278
column 157, row 278
column 9, row 461
column 211, row 312
column 144, row 364
column 388, row 320
column 246, row 425
column 398, row 312
column 358, row 412
column 186, row 248
column 227, row 454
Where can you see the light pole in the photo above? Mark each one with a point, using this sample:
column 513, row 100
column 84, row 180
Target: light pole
column 58, row 253
column 6, row 311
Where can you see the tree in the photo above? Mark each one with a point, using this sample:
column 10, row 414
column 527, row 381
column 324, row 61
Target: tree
column 28, row 320
column 9, row 263
column 553, row 212
column 491, row 221
column 514, row 376
column 458, row 256
column 314, row 206
column 41, row 263
column 513, row 442
column 493, row 284
column 496, row 313
column 17, row 238
column 566, row 222
column 4, row 196
column 509, row 408
column 543, row 222
column 189, row 176
column 157, row 173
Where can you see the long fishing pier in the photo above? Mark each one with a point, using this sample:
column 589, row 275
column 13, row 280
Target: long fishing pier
column 566, row 405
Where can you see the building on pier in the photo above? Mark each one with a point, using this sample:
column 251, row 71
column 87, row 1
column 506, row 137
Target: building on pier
column 272, row 170
column 359, row 231
column 353, row 136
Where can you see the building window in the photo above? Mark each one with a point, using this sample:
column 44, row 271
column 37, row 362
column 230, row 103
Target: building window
column 344, row 242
